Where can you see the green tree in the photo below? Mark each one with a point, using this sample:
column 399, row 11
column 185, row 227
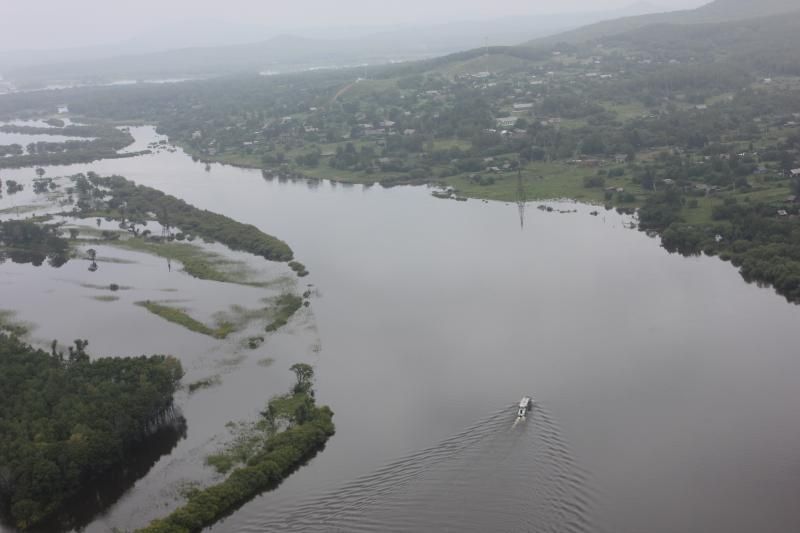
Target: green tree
column 305, row 377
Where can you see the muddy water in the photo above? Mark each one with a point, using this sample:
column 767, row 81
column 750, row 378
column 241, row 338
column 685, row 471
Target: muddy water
column 672, row 382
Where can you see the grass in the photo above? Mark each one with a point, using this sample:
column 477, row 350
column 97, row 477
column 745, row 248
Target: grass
column 541, row 181
column 112, row 287
column 287, row 305
column 197, row 262
column 106, row 298
column 180, row 317
column 22, row 209
column 627, row 111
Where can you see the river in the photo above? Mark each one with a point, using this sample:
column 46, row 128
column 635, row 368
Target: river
column 665, row 387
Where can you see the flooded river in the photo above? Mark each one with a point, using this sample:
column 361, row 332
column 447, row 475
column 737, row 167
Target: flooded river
column 666, row 387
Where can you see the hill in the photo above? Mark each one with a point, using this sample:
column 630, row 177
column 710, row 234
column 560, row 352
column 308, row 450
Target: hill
column 300, row 50
column 714, row 12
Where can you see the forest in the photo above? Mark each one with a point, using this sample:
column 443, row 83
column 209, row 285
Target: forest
column 66, row 420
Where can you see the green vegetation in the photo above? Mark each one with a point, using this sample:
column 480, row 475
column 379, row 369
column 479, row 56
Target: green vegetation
column 24, row 241
column 11, row 326
column 197, row 262
column 254, row 342
column 299, row 268
column 180, row 317
column 267, row 453
column 287, row 305
column 106, row 298
column 125, row 200
column 103, row 142
column 67, row 420
column 206, row 383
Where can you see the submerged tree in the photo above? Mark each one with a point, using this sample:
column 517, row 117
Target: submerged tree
column 305, row 377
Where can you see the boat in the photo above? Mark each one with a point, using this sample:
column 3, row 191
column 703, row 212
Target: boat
column 524, row 406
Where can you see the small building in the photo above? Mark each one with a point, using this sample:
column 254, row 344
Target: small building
column 523, row 107
column 62, row 109
column 506, row 122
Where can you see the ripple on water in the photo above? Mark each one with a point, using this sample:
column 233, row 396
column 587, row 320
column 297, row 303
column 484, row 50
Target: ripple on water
column 496, row 475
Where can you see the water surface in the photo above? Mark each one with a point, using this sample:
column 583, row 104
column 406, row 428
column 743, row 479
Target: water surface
column 671, row 381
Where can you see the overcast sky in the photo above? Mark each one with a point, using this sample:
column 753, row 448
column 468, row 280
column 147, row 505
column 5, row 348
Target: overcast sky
column 29, row 24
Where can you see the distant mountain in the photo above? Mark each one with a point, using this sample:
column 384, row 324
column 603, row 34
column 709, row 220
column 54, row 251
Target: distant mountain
column 716, row 11
column 302, row 49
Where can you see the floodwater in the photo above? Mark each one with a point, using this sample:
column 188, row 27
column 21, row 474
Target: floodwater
column 665, row 386
column 25, row 139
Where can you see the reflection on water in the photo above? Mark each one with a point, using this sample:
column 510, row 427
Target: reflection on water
column 498, row 475
column 33, row 257
column 87, row 504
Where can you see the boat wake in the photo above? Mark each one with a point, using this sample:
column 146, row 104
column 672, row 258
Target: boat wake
column 503, row 474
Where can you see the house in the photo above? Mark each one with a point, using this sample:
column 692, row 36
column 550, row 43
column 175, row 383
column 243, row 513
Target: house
column 62, row 109
column 409, row 131
column 782, row 213
column 795, row 172
column 506, row 122
column 620, row 158
column 523, row 107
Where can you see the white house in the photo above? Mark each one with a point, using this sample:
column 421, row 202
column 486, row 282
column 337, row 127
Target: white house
column 506, row 122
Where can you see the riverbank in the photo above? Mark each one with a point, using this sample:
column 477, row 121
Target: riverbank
column 271, row 455
column 690, row 218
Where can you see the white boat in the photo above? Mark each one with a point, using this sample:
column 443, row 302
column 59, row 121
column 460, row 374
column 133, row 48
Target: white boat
column 524, row 406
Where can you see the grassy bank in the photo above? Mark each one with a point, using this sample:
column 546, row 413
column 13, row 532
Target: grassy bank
column 180, row 317
column 286, row 306
column 197, row 262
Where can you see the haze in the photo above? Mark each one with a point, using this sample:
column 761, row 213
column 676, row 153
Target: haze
column 53, row 24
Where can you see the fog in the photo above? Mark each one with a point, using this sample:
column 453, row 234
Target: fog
column 55, row 24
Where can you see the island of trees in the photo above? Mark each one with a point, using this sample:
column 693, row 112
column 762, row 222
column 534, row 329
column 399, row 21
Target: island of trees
column 295, row 429
column 101, row 142
column 119, row 198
